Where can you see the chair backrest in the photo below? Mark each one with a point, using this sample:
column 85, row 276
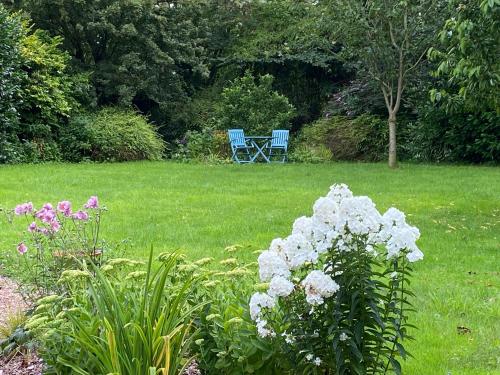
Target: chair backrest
column 236, row 137
column 280, row 138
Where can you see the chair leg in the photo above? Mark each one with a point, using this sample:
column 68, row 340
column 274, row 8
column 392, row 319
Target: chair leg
column 235, row 156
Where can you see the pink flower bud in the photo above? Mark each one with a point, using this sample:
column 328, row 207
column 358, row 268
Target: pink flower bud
column 32, row 227
column 81, row 215
column 65, row 208
column 55, row 225
column 22, row 248
column 93, row 202
column 22, row 209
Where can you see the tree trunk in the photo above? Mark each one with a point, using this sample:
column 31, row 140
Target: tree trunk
column 393, row 160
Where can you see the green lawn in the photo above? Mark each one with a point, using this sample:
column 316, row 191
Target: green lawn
column 203, row 208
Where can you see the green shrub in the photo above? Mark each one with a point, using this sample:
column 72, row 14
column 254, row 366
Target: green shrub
column 253, row 106
column 111, row 134
column 40, row 150
column 304, row 153
column 205, row 145
column 362, row 138
column 438, row 136
column 227, row 342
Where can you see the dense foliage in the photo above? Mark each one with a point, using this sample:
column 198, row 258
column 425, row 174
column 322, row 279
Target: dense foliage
column 468, row 56
column 253, row 106
column 11, row 31
column 111, row 134
column 118, row 320
column 360, row 138
column 185, row 65
column 38, row 94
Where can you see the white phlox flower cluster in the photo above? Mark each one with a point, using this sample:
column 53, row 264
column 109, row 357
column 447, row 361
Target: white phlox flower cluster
column 400, row 236
column 318, row 286
column 340, row 222
column 258, row 301
column 280, row 287
column 262, row 329
column 272, row 264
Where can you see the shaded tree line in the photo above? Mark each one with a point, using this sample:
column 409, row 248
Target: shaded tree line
column 427, row 67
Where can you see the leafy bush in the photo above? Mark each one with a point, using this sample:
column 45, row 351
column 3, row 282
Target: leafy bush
column 36, row 91
column 338, row 295
column 118, row 322
column 40, row 150
column 227, row 341
column 46, row 100
column 204, row 145
column 361, row 138
column 111, row 134
column 253, row 106
column 304, row 153
column 438, row 136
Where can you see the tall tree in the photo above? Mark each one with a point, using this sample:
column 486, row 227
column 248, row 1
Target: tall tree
column 386, row 40
column 139, row 52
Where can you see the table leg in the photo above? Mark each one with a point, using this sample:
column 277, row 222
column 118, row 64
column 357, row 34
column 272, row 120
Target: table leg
column 259, row 151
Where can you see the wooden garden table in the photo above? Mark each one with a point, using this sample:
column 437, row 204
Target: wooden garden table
column 260, row 143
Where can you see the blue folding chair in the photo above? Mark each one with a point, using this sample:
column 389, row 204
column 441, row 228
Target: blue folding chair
column 279, row 145
column 239, row 146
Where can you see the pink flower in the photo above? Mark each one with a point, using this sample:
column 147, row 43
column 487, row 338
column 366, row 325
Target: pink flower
column 81, row 215
column 22, row 248
column 65, row 208
column 32, row 227
column 47, row 216
column 55, row 225
column 43, row 231
column 93, row 202
column 22, row 209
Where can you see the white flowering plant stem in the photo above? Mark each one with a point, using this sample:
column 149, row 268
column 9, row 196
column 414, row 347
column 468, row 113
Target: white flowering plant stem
column 338, row 298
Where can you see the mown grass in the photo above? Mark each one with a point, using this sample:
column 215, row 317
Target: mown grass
column 203, row 208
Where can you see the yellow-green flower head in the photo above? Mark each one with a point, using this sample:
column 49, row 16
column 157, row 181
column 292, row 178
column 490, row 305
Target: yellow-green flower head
column 124, row 262
column 107, row 268
column 212, row 283
column 35, row 322
column 212, row 317
column 73, row 275
column 48, row 299
column 190, row 267
column 233, row 248
column 43, row 307
column 235, row 321
column 229, row 262
column 204, row 261
column 262, row 287
column 238, row 272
